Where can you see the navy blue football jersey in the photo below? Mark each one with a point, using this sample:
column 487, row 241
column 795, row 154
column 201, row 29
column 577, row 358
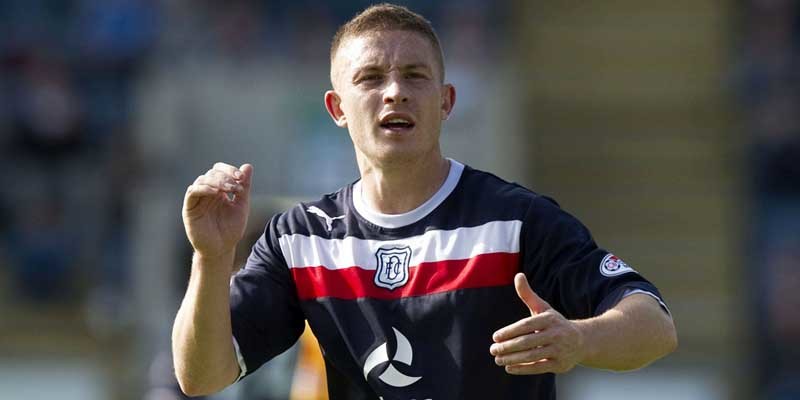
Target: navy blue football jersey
column 404, row 306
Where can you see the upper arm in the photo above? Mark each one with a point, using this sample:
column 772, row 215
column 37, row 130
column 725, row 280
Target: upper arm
column 646, row 307
column 648, row 316
column 266, row 318
column 566, row 267
column 641, row 303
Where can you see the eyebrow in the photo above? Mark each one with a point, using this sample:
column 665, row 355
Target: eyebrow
column 378, row 68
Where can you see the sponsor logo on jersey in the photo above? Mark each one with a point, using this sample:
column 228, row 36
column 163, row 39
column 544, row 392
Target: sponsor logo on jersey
column 404, row 355
column 322, row 214
column 392, row 271
column 613, row 266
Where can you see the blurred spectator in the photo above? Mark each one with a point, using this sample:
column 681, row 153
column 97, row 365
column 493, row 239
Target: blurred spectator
column 66, row 69
column 48, row 119
column 43, row 255
column 111, row 39
column 770, row 82
column 783, row 301
column 47, row 132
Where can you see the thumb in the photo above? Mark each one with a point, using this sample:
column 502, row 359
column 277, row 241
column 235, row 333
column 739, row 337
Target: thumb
column 528, row 296
column 247, row 178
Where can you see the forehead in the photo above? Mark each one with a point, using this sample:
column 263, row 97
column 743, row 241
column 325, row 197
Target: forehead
column 385, row 48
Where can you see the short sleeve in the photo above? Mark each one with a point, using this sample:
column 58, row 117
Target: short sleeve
column 265, row 313
column 567, row 269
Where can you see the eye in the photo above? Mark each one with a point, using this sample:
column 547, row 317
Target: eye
column 370, row 78
column 415, row 75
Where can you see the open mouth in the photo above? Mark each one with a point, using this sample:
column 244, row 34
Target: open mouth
column 396, row 123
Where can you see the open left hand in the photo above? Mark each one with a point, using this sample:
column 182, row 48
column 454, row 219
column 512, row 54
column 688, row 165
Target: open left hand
column 544, row 342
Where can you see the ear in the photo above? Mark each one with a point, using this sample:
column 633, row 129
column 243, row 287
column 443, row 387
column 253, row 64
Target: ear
column 448, row 100
column 333, row 105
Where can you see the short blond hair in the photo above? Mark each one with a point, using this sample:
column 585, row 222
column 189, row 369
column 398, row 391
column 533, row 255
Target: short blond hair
column 388, row 17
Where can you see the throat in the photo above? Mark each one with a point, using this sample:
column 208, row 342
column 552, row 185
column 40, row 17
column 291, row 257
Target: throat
column 401, row 191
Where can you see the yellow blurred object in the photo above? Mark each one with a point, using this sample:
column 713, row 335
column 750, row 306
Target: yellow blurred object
column 309, row 381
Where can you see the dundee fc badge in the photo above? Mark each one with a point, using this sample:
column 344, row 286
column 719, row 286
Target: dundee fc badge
column 392, row 271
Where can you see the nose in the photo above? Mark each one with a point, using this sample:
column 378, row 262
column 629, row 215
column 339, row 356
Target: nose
column 395, row 92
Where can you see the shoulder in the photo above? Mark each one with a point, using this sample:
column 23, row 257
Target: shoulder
column 315, row 217
column 490, row 191
column 514, row 201
column 486, row 184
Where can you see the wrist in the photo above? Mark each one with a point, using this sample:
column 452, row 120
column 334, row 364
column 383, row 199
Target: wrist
column 205, row 262
column 219, row 255
column 585, row 328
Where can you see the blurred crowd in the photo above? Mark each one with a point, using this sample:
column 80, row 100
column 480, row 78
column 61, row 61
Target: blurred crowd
column 66, row 75
column 99, row 98
column 769, row 81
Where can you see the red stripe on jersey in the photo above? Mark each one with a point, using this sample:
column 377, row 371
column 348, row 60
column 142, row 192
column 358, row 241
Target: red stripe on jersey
column 484, row 270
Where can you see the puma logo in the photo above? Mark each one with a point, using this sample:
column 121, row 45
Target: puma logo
column 322, row 214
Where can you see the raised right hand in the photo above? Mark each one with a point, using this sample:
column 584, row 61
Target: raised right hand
column 216, row 207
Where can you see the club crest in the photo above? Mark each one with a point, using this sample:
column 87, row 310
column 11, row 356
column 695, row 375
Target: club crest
column 392, row 271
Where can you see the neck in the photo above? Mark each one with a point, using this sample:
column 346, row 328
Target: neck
column 396, row 188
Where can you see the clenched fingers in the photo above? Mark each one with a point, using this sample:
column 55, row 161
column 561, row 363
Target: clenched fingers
column 226, row 173
column 221, row 178
column 219, row 181
column 228, row 170
column 201, row 190
column 246, row 177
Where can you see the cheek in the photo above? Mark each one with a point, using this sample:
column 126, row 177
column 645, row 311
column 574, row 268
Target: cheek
column 360, row 115
column 370, row 111
column 432, row 98
column 360, row 106
column 433, row 108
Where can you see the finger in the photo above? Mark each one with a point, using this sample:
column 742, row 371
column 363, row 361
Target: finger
column 521, row 343
column 526, row 356
column 246, row 181
column 528, row 296
column 222, row 176
column 538, row 367
column 228, row 169
column 195, row 192
column 534, row 323
column 247, row 174
column 200, row 189
column 219, row 182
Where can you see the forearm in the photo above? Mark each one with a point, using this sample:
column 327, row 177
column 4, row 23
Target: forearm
column 631, row 335
column 204, row 356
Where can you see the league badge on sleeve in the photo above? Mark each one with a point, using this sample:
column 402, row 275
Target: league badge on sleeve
column 613, row 266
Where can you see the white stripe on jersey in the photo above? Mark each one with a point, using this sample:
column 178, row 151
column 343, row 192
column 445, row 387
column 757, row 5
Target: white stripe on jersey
column 435, row 245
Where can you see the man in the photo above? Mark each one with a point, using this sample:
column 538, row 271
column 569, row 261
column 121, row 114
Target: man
column 425, row 279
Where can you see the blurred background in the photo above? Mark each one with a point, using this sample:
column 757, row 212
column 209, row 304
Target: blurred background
column 671, row 129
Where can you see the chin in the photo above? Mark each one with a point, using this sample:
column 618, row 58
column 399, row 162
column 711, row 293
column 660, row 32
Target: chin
column 403, row 155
